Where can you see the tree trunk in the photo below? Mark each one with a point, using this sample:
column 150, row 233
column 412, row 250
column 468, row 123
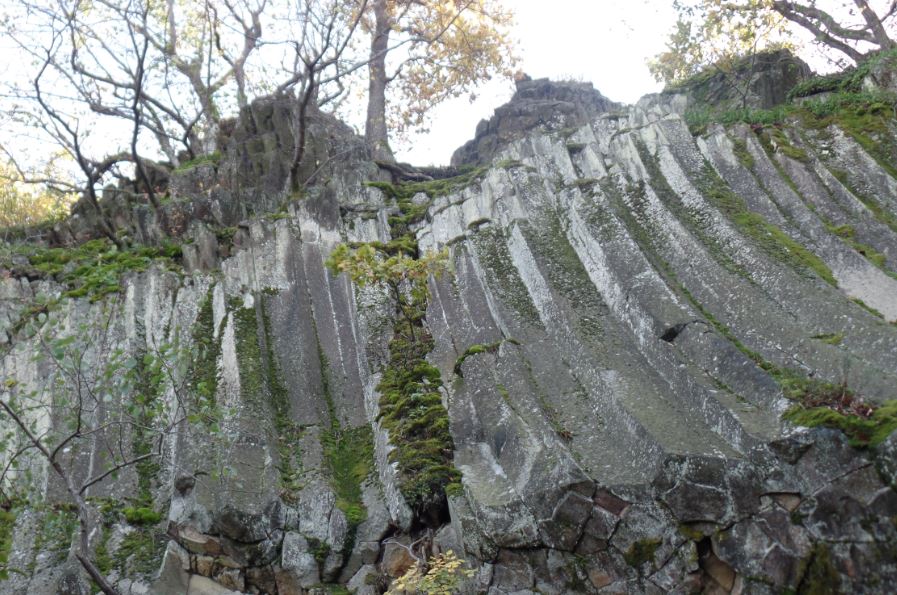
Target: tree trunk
column 376, row 133
column 300, row 129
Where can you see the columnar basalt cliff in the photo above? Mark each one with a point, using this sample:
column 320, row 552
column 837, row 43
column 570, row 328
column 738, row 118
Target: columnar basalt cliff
column 639, row 323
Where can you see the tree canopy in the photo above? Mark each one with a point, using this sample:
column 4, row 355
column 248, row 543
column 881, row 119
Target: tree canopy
column 710, row 32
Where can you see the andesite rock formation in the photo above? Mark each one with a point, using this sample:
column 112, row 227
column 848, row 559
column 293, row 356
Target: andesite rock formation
column 634, row 288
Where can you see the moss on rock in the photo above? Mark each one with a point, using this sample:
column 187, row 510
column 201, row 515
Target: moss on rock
column 93, row 269
column 203, row 371
column 641, row 551
column 411, row 408
column 7, row 524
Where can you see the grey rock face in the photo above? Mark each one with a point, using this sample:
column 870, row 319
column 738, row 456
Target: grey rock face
column 637, row 294
column 761, row 81
column 883, row 75
column 537, row 103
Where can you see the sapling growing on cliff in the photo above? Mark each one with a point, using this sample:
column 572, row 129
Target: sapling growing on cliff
column 404, row 276
column 93, row 396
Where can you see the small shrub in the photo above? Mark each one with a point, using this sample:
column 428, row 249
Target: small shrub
column 141, row 515
column 442, row 576
column 209, row 159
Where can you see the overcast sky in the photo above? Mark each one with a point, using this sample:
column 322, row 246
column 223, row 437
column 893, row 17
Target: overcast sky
column 605, row 42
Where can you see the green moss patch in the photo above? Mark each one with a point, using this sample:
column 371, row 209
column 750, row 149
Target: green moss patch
column 350, row 458
column 848, row 234
column 403, row 193
column 830, row 338
column 776, row 141
column 820, row 576
column 867, row 307
column 870, row 429
column 203, row 372
column 141, row 549
column 641, row 551
column 698, row 119
column 769, row 237
column 147, row 406
column 140, row 552
column 262, row 387
column 867, row 117
column 349, row 454
column 566, row 273
column 141, row 515
column 824, row 404
column 7, row 524
column 740, row 148
column 93, row 269
column 411, row 411
column 411, row 407
column 476, row 350
column 495, row 257
column 695, row 219
column 288, row 431
column 432, row 188
column 212, row 158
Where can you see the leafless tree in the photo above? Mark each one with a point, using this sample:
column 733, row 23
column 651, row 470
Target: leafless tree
column 322, row 33
column 86, row 403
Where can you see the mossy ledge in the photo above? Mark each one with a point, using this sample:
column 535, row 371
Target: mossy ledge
column 478, row 349
column 93, row 269
column 142, row 546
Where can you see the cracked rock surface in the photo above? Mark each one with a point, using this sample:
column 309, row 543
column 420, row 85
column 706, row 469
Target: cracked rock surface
column 623, row 432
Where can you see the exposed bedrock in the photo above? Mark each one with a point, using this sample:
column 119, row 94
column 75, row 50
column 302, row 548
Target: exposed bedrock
column 628, row 308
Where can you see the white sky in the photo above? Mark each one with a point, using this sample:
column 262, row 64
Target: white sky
column 605, row 42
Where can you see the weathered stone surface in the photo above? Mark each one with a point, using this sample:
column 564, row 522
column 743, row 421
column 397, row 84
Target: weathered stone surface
column 200, row 585
column 619, row 429
column 763, row 81
column 886, row 460
column 536, row 103
column 198, row 543
column 396, row 558
column 364, row 581
column 297, row 561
